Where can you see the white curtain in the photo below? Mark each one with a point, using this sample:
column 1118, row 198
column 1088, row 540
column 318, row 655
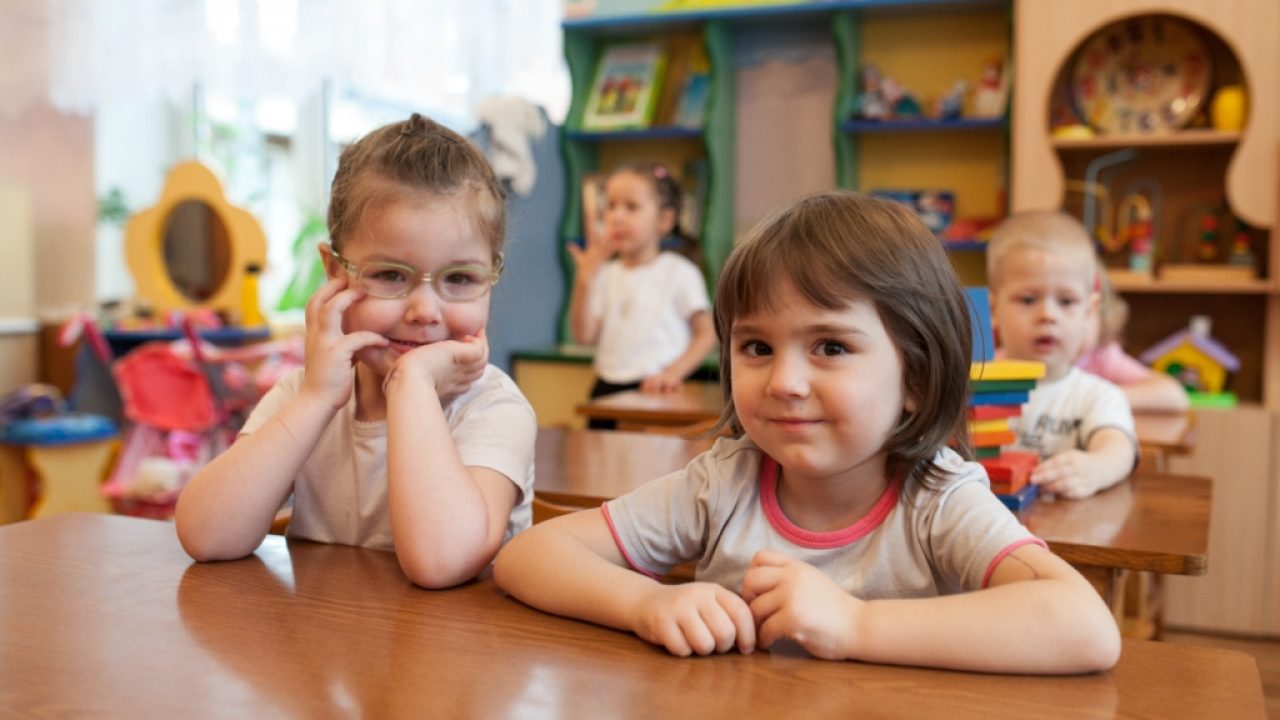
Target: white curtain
column 443, row 54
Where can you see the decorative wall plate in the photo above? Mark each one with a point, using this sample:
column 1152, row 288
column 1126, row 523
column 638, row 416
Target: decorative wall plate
column 1147, row 74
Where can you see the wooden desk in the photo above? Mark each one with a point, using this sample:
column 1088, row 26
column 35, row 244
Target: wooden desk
column 1152, row 523
column 694, row 403
column 106, row 615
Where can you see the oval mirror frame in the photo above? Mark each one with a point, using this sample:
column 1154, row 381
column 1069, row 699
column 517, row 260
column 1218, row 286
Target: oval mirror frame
column 145, row 234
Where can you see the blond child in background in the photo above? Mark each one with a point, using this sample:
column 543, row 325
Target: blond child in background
column 397, row 434
column 1043, row 271
column 1144, row 388
column 645, row 310
column 835, row 517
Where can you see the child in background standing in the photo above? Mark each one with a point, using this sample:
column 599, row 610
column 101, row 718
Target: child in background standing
column 397, row 434
column 646, row 310
column 1144, row 388
column 836, row 509
column 1043, row 271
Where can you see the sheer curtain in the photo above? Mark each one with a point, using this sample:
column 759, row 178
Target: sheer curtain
column 169, row 79
column 444, row 54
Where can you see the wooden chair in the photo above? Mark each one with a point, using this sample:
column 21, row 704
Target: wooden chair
column 281, row 522
column 544, row 510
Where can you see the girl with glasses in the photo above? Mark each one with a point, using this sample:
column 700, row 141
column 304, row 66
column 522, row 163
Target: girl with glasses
column 397, row 434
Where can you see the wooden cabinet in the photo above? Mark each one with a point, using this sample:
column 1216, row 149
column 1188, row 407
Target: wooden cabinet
column 1234, row 447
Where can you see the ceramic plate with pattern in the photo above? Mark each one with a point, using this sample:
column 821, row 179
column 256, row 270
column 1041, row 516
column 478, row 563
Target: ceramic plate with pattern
column 1141, row 75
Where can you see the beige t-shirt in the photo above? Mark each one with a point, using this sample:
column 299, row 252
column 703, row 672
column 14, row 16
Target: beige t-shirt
column 722, row 509
column 340, row 494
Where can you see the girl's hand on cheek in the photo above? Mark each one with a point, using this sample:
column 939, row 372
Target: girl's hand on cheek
column 451, row 366
column 696, row 617
column 793, row 600
column 330, row 353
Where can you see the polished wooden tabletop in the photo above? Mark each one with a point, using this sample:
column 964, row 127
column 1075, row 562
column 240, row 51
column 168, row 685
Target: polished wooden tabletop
column 693, row 403
column 1155, row 523
column 105, row 616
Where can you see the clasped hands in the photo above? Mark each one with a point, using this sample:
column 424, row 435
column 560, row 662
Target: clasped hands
column 782, row 599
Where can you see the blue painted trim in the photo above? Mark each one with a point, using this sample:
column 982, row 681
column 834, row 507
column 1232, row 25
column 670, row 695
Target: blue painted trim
column 616, row 22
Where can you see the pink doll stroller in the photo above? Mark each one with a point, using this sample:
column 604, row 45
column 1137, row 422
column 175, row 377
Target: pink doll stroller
column 183, row 402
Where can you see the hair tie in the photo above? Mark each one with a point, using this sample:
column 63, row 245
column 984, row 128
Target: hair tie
column 412, row 125
column 660, row 171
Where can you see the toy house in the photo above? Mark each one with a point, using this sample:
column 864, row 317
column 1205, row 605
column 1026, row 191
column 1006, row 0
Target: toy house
column 1194, row 357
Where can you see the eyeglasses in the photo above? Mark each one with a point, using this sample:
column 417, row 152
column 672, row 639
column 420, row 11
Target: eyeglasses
column 391, row 280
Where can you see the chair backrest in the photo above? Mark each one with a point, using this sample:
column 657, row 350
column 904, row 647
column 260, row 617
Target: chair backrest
column 545, row 510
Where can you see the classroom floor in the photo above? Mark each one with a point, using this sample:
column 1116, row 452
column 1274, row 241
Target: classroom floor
column 1267, row 652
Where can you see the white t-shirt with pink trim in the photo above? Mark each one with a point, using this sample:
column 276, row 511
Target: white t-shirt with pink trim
column 722, row 509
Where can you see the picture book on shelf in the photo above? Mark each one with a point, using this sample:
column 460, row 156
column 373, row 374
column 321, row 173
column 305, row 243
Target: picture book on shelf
column 628, row 82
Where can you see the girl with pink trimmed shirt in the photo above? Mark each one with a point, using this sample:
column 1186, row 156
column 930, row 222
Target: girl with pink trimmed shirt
column 835, row 517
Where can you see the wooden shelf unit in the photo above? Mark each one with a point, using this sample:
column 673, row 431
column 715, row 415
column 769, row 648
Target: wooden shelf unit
column 1240, row 594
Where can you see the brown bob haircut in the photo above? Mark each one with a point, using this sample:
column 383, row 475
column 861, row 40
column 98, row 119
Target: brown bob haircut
column 399, row 162
column 838, row 247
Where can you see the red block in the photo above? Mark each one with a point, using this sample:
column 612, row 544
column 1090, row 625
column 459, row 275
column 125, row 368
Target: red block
column 1011, row 471
column 993, row 412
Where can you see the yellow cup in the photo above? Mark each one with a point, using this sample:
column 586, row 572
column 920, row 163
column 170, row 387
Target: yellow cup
column 1228, row 108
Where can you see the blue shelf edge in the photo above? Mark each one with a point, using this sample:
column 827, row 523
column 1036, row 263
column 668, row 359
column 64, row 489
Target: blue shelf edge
column 923, row 124
column 661, row 133
column 621, row 20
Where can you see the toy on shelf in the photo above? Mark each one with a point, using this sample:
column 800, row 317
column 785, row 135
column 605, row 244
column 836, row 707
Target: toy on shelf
column 1136, row 228
column 1229, row 108
column 951, row 105
column 870, row 104
column 1194, row 357
column 1203, row 255
column 883, row 98
column 933, row 207
column 991, row 94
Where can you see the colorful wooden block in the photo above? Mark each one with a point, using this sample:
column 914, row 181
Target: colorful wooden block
column 993, row 412
column 1016, row 397
column 993, row 439
column 988, row 426
column 1021, row 499
column 1007, row 370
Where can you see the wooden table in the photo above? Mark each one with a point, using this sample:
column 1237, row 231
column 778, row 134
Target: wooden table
column 695, row 403
column 104, row 615
column 1150, row 522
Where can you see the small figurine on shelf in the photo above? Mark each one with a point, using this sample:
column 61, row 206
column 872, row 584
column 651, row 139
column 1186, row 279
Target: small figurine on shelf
column 1136, row 230
column 1207, row 249
column 992, row 91
column 951, row 105
column 902, row 103
column 870, row 102
column 1241, row 251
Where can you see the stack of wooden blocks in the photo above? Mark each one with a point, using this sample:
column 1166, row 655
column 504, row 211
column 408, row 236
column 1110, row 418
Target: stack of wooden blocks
column 999, row 389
